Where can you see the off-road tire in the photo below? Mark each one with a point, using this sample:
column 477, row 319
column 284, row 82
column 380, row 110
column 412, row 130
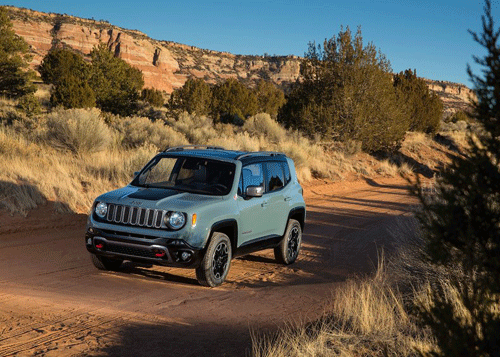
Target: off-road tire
column 216, row 262
column 103, row 263
column 288, row 249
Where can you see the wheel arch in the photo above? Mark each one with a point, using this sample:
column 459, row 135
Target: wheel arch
column 230, row 228
column 299, row 214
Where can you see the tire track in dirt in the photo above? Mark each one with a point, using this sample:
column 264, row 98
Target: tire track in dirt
column 54, row 303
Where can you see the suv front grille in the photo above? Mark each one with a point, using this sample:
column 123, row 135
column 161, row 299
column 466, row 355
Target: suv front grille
column 136, row 216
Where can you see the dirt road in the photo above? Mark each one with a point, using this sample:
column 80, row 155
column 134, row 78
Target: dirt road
column 53, row 302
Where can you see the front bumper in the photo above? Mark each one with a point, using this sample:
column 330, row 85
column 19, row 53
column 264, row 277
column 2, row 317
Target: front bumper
column 151, row 250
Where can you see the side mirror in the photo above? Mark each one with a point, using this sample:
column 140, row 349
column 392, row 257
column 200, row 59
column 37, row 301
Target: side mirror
column 254, row 191
column 136, row 173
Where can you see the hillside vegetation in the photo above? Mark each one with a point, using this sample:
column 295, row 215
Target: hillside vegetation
column 70, row 156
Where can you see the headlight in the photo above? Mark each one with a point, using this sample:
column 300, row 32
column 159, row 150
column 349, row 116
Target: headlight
column 101, row 209
column 175, row 220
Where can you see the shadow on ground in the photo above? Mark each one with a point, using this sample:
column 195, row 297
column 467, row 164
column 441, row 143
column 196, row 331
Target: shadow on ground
column 165, row 340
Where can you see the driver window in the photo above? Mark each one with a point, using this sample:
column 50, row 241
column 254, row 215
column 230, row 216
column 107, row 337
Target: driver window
column 251, row 175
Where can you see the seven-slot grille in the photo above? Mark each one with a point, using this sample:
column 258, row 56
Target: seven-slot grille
column 136, row 216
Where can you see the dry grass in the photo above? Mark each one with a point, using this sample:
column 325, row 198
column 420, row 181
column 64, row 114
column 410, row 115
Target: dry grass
column 80, row 131
column 71, row 156
column 367, row 318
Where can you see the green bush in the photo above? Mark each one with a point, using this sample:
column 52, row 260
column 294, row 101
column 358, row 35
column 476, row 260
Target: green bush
column 269, row 98
column 79, row 131
column 346, row 94
column 15, row 77
column 70, row 75
column 71, row 92
column 29, row 104
column 116, row 84
column 231, row 99
column 153, row 97
column 423, row 108
column 459, row 116
column 195, row 97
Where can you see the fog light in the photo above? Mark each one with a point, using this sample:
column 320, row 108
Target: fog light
column 89, row 241
column 185, row 256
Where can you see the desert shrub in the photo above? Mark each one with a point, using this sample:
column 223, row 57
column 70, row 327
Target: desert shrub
column 269, row 98
column 422, row 107
column 15, row 77
column 116, row 84
column 198, row 129
column 139, row 131
column 63, row 62
column 263, row 124
column 232, row 99
column 69, row 73
column 459, row 115
column 194, row 97
column 72, row 92
column 153, row 97
column 79, row 131
column 30, row 105
column 346, row 94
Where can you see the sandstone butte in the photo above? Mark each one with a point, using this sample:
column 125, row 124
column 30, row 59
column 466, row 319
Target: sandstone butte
column 167, row 65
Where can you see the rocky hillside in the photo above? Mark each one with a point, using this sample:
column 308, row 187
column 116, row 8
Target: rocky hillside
column 167, row 65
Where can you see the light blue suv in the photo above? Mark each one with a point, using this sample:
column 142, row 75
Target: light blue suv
column 199, row 207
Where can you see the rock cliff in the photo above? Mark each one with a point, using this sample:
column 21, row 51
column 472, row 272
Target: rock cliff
column 167, row 65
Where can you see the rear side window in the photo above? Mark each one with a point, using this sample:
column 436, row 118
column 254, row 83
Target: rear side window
column 275, row 176
column 286, row 170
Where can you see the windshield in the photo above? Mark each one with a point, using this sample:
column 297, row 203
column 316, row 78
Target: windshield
column 190, row 174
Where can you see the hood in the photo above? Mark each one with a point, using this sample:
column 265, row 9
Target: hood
column 157, row 198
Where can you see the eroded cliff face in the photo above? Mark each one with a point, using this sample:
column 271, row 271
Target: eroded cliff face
column 167, row 65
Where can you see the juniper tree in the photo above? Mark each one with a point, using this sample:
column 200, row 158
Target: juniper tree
column 70, row 74
column 346, row 94
column 423, row 108
column 462, row 226
column 15, row 77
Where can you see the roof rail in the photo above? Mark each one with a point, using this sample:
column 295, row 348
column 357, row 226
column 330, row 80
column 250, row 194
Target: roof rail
column 259, row 153
column 184, row 147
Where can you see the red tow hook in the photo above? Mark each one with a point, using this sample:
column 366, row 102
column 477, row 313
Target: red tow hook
column 99, row 245
column 160, row 254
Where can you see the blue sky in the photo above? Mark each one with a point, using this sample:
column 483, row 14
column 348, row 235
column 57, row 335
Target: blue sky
column 429, row 36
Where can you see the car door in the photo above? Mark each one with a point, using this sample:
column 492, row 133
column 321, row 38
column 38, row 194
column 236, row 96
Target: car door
column 253, row 222
column 277, row 205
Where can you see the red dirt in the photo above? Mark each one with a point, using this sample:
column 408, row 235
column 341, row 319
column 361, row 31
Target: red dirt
column 53, row 302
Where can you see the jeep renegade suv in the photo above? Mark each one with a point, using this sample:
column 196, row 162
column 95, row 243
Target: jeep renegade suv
column 198, row 207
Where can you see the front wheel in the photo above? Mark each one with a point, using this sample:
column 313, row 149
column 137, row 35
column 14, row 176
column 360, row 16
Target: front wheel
column 103, row 263
column 216, row 262
column 288, row 249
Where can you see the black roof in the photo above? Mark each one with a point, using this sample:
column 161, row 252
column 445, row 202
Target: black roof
column 213, row 152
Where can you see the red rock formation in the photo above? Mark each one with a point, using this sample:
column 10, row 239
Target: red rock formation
column 167, row 65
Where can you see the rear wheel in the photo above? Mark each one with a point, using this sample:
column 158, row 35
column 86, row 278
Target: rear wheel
column 216, row 262
column 103, row 263
column 288, row 249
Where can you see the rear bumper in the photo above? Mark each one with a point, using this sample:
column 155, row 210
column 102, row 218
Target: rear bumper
column 157, row 251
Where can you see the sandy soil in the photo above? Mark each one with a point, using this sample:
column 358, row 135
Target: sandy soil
column 53, row 302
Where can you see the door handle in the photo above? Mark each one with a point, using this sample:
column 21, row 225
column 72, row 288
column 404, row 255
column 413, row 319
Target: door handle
column 288, row 198
column 264, row 204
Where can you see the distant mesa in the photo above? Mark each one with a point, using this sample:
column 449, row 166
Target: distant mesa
column 167, row 65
